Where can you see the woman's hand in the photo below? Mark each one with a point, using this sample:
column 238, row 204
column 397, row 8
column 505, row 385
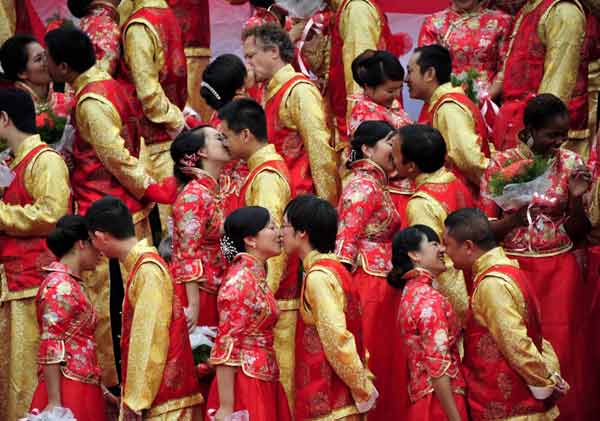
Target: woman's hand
column 580, row 181
column 51, row 405
column 223, row 413
column 191, row 317
column 129, row 414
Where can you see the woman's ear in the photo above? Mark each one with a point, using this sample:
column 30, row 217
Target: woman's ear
column 250, row 242
column 366, row 151
column 414, row 256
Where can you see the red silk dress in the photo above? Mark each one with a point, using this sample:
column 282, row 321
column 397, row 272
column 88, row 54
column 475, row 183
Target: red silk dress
column 365, row 109
column 101, row 24
column 197, row 223
column 430, row 330
column 67, row 322
column 544, row 252
column 477, row 40
column 247, row 315
column 368, row 221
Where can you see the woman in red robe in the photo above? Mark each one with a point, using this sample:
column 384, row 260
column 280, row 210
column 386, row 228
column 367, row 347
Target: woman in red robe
column 367, row 222
column 381, row 76
column 244, row 356
column 540, row 237
column 197, row 262
column 23, row 61
column 69, row 374
column 430, row 328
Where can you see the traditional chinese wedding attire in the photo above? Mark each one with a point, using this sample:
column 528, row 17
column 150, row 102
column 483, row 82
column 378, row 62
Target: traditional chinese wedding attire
column 67, row 322
column 106, row 160
column 194, row 20
column 19, row 17
column 101, row 24
column 269, row 185
column 159, row 376
column 547, row 54
column 460, row 122
column 56, row 103
column 543, row 250
column 259, row 17
column 508, row 364
column 154, row 60
column 437, row 195
column 247, row 316
column 297, row 127
column 367, row 222
column 358, row 25
column 331, row 373
column 37, row 197
column 476, row 40
column 431, row 331
column 197, row 223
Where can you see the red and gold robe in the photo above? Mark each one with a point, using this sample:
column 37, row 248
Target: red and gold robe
column 67, row 321
column 101, row 24
column 476, row 40
column 508, row 364
column 37, row 197
column 159, row 376
column 368, row 221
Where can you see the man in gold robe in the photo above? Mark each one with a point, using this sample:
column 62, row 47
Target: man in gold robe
column 31, row 204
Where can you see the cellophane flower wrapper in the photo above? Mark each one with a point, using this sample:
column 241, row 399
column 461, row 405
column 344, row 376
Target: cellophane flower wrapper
column 6, row 175
column 243, row 415
column 201, row 341
column 56, row 414
column 515, row 196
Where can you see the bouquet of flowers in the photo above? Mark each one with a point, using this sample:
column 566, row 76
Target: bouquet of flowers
column 50, row 126
column 468, row 81
column 519, row 183
column 56, row 414
column 201, row 341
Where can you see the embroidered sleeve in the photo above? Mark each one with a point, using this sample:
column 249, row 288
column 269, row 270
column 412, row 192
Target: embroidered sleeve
column 144, row 56
column 306, row 111
column 504, row 32
column 235, row 315
column 191, row 215
column 106, row 38
column 47, row 180
column 499, row 306
column 428, row 34
column 326, row 301
column 356, row 205
column 563, row 34
column 433, row 328
column 151, row 295
column 56, row 309
column 100, row 126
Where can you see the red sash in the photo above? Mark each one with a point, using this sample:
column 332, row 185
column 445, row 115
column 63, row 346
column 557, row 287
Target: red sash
column 319, row 390
column 173, row 75
column 90, row 179
column 495, row 389
column 24, row 257
column 179, row 375
column 288, row 142
column 336, row 84
column 524, row 71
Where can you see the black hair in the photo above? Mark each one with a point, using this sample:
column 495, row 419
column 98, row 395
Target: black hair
column 423, row 145
column 79, row 8
column 71, row 46
column 243, row 114
column 265, row 4
column 317, row 217
column 367, row 133
column 372, row 68
column 542, row 109
column 18, row 105
column 471, row 224
column 271, row 35
column 14, row 56
column 242, row 223
column 437, row 57
column 69, row 230
column 226, row 74
column 406, row 241
column 112, row 216
column 188, row 142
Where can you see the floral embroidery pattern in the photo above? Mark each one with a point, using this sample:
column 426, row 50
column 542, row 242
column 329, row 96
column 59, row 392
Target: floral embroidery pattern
column 365, row 109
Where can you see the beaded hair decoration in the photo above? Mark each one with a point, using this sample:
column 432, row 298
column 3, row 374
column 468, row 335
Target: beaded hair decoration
column 189, row 159
column 211, row 89
column 228, row 248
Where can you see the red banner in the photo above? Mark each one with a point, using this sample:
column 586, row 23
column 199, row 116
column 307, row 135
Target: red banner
column 422, row 7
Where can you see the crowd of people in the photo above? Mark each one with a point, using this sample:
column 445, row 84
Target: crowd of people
column 308, row 252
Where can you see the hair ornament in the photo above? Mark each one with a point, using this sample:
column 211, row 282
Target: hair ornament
column 353, row 156
column 228, row 248
column 189, row 159
column 211, row 89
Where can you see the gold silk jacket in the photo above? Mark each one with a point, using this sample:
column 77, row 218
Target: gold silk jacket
column 144, row 55
column 302, row 110
column 458, row 129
